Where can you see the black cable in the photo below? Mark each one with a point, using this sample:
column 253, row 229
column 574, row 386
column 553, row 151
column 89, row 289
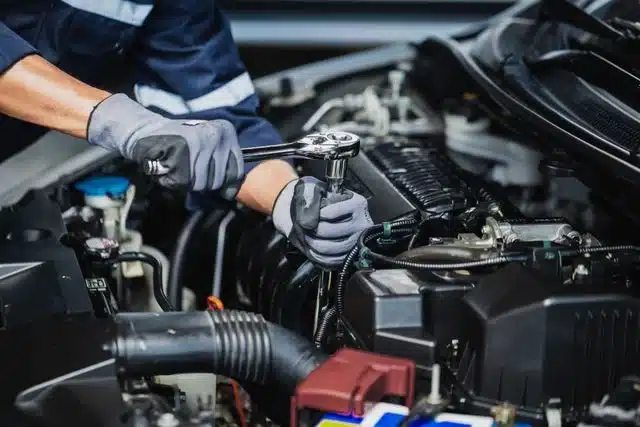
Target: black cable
column 504, row 259
column 156, row 269
column 338, row 309
column 179, row 258
column 598, row 249
column 328, row 317
column 342, row 276
column 366, row 237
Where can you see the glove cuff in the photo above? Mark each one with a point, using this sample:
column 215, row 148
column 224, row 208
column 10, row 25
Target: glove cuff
column 115, row 121
column 281, row 214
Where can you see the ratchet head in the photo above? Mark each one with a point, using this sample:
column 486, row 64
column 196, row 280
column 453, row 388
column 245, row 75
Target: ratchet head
column 328, row 146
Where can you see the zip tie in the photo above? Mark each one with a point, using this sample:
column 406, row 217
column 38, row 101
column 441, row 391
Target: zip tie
column 386, row 230
column 364, row 263
column 386, row 234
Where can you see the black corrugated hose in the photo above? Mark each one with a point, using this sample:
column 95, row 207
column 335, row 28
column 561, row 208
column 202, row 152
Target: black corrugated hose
column 325, row 322
column 236, row 344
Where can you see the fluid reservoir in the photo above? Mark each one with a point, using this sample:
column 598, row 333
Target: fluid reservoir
column 109, row 195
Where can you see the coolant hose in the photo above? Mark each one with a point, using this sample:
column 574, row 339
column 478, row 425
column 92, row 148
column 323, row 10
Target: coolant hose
column 236, row 344
column 156, row 268
column 179, row 258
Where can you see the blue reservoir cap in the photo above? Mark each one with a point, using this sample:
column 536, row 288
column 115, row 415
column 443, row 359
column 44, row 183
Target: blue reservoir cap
column 113, row 186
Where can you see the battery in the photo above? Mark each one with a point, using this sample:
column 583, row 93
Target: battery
column 391, row 415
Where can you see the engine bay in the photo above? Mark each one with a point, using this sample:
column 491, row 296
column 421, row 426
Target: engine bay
column 500, row 280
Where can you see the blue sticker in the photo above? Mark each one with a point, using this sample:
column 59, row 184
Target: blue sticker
column 390, row 420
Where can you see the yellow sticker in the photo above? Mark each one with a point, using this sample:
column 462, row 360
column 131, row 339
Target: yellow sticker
column 335, row 423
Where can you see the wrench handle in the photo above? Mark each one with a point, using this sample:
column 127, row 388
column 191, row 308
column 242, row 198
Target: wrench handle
column 251, row 154
column 279, row 151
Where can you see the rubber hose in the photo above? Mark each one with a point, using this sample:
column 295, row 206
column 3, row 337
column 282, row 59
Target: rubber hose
column 156, row 268
column 435, row 266
column 236, row 344
column 179, row 258
column 448, row 266
column 447, row 253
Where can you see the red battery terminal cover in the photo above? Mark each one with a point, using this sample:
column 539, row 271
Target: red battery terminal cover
column 350, row 379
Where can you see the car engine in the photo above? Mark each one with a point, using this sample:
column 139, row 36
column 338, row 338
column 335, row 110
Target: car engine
column 498, row 286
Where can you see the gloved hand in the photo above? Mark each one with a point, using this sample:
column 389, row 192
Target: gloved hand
column 324, row 228
column 200, row 155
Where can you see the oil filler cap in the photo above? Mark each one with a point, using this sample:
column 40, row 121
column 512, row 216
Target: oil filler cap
column 110, row 186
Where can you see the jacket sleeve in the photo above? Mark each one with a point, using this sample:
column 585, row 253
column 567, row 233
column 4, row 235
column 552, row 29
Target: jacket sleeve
column 188, row 66
column 12, row 48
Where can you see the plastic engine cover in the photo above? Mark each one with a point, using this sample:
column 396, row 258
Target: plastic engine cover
column 530, row 339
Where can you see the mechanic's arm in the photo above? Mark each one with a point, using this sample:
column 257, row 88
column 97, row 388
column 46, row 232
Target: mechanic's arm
column 33, row 90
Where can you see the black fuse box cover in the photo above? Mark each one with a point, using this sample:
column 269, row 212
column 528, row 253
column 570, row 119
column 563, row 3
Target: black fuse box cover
column 398, row 313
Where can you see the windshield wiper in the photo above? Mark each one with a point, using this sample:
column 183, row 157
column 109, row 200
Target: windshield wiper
column 591, row 67
column 563, row 11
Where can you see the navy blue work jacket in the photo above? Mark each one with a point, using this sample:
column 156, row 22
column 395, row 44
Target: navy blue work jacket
column 186, row 61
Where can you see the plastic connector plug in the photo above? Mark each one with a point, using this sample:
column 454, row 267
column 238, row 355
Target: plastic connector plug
column 349, row 380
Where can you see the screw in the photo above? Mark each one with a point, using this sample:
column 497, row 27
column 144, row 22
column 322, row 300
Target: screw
column 396, row 78
column 434, row 396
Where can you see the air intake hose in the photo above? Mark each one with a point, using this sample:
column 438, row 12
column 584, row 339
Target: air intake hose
column 236, row 344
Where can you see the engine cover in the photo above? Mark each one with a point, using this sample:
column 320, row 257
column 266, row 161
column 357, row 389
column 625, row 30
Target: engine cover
column 528, row 339
column 39, row 276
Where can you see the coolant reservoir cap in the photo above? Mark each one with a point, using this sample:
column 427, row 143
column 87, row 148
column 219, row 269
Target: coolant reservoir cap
column 112, row 186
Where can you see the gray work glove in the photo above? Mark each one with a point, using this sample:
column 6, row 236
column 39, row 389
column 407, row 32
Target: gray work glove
column 325, row 228
column 198, row 155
